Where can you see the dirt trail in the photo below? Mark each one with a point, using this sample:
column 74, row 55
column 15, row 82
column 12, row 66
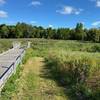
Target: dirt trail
column 34, row 86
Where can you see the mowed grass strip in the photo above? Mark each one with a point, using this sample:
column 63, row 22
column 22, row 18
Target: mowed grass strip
column 34, row 85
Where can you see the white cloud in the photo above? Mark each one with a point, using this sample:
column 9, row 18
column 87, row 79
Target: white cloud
column 2, row 2
column 36, row 3
column 98, row 3
column 33, row 22
column 3, row 14
column 69, row 10
column 51, row 25
column 96, row 23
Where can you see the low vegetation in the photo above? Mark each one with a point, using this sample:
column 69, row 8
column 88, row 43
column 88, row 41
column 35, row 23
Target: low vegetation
column 5, row 45
column 76, row 65
column 78, row 71
column 71, row 68
column 41, row 47
column 11, row 86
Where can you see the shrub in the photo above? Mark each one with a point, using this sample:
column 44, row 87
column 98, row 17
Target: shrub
column 80, row 71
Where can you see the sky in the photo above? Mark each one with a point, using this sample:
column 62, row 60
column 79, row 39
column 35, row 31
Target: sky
column 51, row 13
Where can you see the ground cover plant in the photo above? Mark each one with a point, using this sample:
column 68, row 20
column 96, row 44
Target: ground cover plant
column 76, row 63
column 12, row 83
column 78, row 71
column 71, row 68
column 5, row 45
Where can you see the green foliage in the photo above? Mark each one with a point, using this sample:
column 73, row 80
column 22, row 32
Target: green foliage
column 23, row 30
column 75, row 64
column 93, row 35
column 41, row 47
column 77, row 70
column 12, row 83
column 5, row 45
column 4, row 31
column 79, row 32
column 29, row 53
column 11, row 86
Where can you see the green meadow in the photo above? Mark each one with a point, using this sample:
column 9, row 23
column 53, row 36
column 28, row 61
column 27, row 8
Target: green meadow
column 55, row 70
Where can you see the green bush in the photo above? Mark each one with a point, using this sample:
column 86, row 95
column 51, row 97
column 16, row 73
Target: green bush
column 95, row 48
column 80, row 71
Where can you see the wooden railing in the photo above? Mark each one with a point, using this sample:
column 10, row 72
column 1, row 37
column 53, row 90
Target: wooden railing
column 10, row 69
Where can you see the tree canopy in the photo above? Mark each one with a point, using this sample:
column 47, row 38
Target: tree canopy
column 23, row 30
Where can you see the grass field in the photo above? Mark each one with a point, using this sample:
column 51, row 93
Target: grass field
column 56, row 70
column 5, row 45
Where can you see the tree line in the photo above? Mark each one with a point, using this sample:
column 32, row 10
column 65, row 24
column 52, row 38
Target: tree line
column 23, row 30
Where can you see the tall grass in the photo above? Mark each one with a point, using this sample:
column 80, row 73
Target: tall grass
column 41, row 47
column 5, row 45
column 77, row 70
column 75, row 64
column 11, row 85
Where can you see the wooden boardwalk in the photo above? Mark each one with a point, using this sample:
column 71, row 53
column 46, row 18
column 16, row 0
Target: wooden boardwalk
column 9, row 60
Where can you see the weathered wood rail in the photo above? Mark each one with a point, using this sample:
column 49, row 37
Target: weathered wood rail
column 9, row 60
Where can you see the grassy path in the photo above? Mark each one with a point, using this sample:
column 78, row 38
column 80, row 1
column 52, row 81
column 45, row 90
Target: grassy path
column 34, row 85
